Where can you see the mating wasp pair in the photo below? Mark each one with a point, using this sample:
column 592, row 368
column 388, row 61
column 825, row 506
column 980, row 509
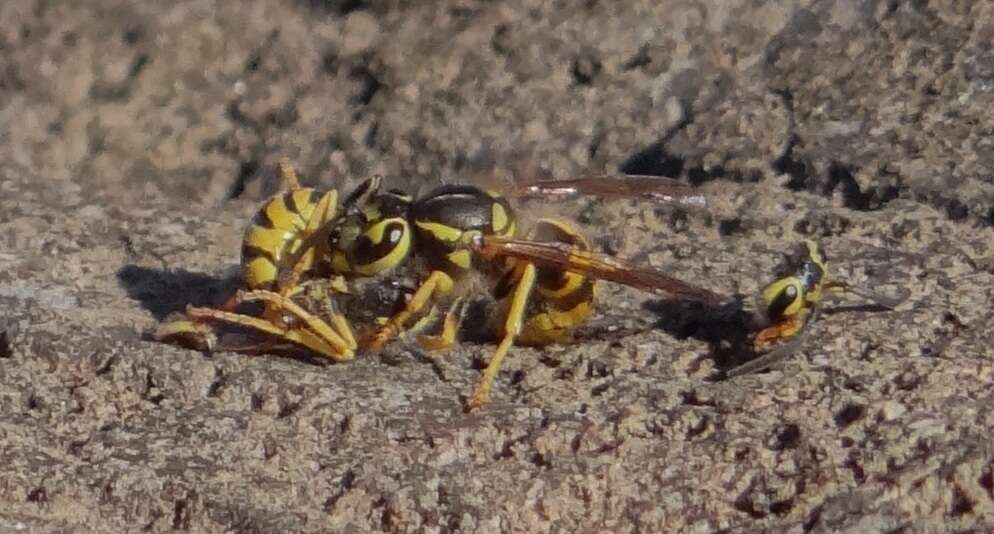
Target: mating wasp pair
column 303, row 255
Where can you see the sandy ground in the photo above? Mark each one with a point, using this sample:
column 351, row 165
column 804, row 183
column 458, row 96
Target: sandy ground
column 136, row 139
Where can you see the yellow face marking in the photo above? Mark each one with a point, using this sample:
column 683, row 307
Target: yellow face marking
column 375, row 231
column 461, row 258
column 372, row 213
column 440, row 231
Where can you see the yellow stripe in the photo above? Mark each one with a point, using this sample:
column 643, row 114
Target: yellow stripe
column 280, row 214
column 302, row 199
column 258, row 272
column 509, row 231
column 340, row 264
column 396, row 255
column 375, row 232
column 271, row 240
column 573, row 282
column 499, row 218
column 461, row 258
column 442, row 232
column 772, row 291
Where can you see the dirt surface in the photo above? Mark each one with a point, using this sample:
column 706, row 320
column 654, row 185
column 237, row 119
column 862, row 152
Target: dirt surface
column 136, row 139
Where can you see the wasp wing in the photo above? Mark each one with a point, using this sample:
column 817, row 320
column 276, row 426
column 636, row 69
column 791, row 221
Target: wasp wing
column 596, row 265
column 650, row 188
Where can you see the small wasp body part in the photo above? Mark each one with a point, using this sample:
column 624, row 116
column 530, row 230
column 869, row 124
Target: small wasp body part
column 790, row 303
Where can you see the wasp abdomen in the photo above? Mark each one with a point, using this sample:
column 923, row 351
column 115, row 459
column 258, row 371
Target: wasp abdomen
column 276, row 232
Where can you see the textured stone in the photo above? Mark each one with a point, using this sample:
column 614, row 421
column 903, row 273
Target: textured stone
column 138, row 138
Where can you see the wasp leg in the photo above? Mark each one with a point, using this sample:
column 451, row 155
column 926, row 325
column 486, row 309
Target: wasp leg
column 318, row 336
column 338, row 334
column 513, row 322
column 199, row 334
column 450, row 327
column 338, row 320
column 324, row 211
column 437, row 283
column 288, row 176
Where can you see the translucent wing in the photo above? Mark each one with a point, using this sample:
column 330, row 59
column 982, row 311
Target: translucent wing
column 596, row 265
column 650, row 188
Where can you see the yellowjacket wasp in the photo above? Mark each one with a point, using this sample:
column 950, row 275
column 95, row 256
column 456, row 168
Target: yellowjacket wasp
column 302, row 235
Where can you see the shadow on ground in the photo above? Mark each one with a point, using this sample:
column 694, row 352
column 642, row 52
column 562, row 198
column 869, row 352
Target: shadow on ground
column 164, row 292
column 727, row 328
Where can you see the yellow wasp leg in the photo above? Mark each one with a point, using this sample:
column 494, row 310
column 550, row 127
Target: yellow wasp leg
column 302, row 337
column 341, row 340
column 450, row 327
column 437, row 283
column 197, row 331
column 288, row 176
column 324, row 211
column 317, row 336
column 512, row 326
column 338, row 320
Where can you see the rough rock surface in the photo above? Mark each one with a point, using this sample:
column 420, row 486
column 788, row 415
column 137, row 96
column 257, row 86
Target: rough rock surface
column 137, row 138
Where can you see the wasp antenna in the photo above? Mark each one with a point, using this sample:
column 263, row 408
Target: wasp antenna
column 889, row 302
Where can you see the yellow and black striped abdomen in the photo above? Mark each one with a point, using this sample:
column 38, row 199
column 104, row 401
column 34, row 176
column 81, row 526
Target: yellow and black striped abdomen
column 276, row 233
column 562, row 299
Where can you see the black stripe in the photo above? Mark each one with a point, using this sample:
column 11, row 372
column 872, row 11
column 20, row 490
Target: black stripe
column 505, row 284
column 582, row 294
column 367, row 252
column 314, row 197
column 291, row 203
column 552, row 279
column 262, row 219
column 250, row 252
column 781, row 302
